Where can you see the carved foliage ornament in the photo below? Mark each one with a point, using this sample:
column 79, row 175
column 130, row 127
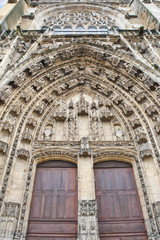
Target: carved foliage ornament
column 87, row 208
column 88, row 227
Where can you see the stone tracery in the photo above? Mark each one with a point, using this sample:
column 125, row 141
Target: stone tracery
column 78, row 22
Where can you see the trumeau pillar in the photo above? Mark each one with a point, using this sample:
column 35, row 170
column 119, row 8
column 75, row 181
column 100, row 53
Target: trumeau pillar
column 87, row 206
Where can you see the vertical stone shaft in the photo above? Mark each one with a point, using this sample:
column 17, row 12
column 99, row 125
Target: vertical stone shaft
column 87, row 206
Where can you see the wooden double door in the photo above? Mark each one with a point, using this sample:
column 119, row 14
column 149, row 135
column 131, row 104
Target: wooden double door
column 53, row 214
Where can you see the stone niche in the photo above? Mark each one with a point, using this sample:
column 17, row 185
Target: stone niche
column 83, row 116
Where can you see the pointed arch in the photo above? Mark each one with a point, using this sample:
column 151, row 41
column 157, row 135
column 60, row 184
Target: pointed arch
column 35, row 88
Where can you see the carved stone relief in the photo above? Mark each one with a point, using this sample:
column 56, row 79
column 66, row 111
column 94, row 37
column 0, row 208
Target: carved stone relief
column 84, row 147
column 8, row 219
column 87, row 218
column 156, row 208
column 81, row 118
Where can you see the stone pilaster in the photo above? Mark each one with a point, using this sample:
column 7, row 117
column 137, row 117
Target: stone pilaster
column 87, row 206
column 8, row 221
column 87, row 220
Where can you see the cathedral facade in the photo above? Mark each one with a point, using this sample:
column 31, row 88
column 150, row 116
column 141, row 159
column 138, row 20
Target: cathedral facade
column 80, row 120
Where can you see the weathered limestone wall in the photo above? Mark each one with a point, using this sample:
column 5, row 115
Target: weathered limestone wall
column 148, row 13
column 6, row 9
column 86, row 188
column 13, row 14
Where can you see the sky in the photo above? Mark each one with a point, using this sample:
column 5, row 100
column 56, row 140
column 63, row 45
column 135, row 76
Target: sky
column 2, row 2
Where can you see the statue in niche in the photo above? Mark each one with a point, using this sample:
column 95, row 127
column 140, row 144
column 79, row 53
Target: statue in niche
column 118, row 132
column 47, row 135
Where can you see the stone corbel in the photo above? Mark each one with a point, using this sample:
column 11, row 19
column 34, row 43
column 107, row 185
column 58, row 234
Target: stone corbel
column 31, row 121
column 141, row 138
column 16, row 109
column 151, row 110
column 60, row 115
column 84, row 147
column 22, row 153
column 135, row 122
column 27, row 135
column 3, row 147
column 145, row 153
column 106, row 115
column 127, row 110
column 7, row 126
column 140, row 97
column 4, row 94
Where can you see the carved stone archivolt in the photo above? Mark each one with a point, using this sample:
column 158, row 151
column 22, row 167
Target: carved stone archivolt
column 50, row 101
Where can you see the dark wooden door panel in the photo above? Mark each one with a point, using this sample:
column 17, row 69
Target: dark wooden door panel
column 52, row 228
column 133, row 237
column 119, row 212
column 54, row 202
column 51, row 238
column 121, row 227
column 53, row 197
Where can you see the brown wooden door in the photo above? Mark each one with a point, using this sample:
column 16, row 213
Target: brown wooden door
column 119, row 212
column 53, row 214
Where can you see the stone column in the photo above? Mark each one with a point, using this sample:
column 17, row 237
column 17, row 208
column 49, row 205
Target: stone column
column 87, row 206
